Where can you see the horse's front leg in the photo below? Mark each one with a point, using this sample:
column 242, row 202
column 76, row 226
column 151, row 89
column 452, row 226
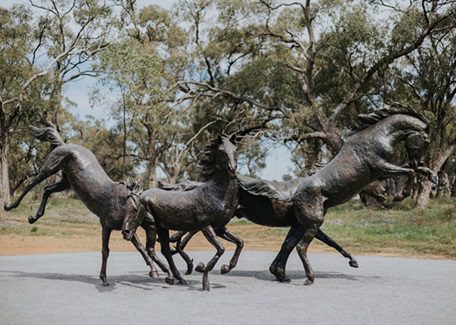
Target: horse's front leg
column 106, row 234
column 61, row 186
column 225, row 234
column 211, row 237
column 332, row 243
column 389, row 169
column 151, row 237
column 277, row 267
column 139, row 246
column 163, row 234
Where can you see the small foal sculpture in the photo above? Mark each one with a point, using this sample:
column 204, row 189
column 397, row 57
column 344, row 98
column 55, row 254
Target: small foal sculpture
column 108, row 200
column 211, row 204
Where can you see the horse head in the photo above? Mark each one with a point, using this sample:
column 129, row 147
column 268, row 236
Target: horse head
column 134, row 213
column 416, row 144
column 219, row 155
column 47, row 133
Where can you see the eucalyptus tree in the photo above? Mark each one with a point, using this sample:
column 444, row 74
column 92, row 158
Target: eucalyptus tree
column 426, row 79
column 313, row 63
column 21, row 83
column 81, row 28
column 39, row 55
column 142, row 68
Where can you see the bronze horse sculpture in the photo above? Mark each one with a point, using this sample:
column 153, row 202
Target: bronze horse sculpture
column 109, row 200
column 266, row 203
column 209, row 205
column 367, row 155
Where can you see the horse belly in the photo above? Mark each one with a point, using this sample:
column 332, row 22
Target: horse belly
column 273, row 213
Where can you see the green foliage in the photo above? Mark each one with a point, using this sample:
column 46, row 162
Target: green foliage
column 412, row 231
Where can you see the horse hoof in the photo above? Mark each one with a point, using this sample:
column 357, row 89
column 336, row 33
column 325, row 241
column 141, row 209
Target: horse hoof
column 280, row 275
column 182, row 282
column 200, row 267
column 31, row 220
column 189, row 269
column 283, row 278
column 206, row 287
column 225, row 269
column 353, row 263
column 7, row 207
column 153, row 274
column 308, row 282
column 169, row 280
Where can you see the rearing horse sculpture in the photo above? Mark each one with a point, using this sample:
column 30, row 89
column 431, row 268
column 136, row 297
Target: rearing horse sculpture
column 366, row 156
column 211, row 204
column 109, row 200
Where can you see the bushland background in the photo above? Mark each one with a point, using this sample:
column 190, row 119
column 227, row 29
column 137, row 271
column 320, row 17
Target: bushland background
column 166, row 79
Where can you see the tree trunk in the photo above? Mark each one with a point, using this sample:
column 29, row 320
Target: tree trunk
column 443, row 187
column 56, row 99
column 151, row 160
column 425, row 189
column 5, row 196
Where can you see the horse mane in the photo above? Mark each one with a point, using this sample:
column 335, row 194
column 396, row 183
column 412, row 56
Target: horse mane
column 48, row 133
column 208, row 158
column 363, row 121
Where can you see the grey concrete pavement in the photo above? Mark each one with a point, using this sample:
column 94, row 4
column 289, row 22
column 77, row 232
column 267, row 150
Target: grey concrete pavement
column 64, row 289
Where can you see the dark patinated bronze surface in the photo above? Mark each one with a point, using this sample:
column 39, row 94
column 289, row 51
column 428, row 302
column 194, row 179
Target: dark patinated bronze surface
column 267, row 203
column 209, row 205
column 367, row 155
column 109, row 200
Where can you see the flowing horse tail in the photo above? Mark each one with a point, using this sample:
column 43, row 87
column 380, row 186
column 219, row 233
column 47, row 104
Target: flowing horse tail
column 48, row 133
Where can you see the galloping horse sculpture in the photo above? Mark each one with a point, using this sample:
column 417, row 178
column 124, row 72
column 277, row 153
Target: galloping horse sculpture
column 266, row 203
column 211, row 204
column 109, row 200
column 367, row 155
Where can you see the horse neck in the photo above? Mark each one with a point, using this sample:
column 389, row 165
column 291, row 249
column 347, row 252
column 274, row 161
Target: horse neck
column 224, row 184
column 398, row 127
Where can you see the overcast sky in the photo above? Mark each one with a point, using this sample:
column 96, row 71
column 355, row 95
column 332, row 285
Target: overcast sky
column 278, row 161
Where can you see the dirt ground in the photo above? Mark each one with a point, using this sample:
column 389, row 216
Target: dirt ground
column 255, row 237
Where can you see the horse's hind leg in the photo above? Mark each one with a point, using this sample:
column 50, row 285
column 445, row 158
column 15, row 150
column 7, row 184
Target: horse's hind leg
column 309, row 208
column 180, row 246
column 180, row 249
column 51, row 167
column 139, row 246
column 106, row 234
column 151, row 237
column 302, row 247
column 211, row 237
column 225, row 234
column 163, row 234
column 332, row 243
column 62, row 185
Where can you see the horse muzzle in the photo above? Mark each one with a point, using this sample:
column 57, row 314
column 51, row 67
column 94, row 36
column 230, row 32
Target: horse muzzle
column 128, row 234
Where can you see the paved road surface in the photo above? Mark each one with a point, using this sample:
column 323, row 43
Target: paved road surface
column 64, row 289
